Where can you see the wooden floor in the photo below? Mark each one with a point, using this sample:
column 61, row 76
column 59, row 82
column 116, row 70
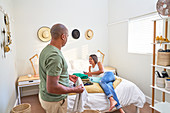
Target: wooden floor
column 36, row 107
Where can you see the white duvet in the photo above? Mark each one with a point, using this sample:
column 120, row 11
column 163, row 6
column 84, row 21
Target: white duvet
column 127, row 92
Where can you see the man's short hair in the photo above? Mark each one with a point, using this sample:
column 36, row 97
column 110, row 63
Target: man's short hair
column 57, row 30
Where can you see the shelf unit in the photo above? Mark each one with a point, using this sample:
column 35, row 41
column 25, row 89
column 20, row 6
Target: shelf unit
column 158, row 66
column 161, row 89
column 163, row 107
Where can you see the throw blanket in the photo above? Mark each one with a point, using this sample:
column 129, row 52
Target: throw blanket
column 95, row 88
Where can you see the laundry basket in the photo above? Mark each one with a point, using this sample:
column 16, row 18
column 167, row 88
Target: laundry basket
column 22, row 108
column 91, row 111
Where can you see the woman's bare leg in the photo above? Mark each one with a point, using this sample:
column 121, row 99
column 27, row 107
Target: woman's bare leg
column 112, row 103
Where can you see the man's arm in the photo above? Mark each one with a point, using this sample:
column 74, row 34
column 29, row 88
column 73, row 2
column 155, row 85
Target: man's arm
column 54, row 87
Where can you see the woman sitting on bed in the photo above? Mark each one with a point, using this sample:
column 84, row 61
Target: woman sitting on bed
column 106, row 83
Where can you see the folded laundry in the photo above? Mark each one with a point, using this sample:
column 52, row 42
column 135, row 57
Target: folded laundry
column 95, row 79
column 87, row 83
column 82, row 76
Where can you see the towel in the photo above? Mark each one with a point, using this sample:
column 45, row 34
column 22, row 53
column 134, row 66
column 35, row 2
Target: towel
column 82, row 76
column 80, row 98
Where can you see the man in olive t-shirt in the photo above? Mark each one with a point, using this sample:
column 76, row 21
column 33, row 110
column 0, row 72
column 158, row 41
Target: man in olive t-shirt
column 54, row 78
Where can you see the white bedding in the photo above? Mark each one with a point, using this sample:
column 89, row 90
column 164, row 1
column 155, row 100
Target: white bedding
column 127, row 92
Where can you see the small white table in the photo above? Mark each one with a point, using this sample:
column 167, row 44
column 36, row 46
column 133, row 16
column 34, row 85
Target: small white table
column 25, row 81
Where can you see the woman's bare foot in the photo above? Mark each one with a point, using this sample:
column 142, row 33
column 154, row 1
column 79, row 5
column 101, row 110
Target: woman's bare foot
column 112, row 103
column 121, row 110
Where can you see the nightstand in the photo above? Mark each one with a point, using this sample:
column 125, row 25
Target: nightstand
column 25, row 81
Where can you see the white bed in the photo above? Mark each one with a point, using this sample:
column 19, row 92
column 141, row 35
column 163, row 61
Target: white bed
column 128, row 93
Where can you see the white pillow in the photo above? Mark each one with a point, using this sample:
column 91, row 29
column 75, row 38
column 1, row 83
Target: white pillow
column 79, row 65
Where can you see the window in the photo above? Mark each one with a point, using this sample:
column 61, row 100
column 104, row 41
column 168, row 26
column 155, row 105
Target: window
column 140, row 33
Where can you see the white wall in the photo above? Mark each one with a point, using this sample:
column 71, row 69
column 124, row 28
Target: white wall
column 30, row 15
column 134, row 67
column 7, row 65
column 124, row 9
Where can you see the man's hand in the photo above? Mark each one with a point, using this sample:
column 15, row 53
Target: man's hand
column 73, row 78
column 79, row 89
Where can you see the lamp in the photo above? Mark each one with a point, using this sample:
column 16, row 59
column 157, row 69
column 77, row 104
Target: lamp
column 34, row 63
column 102, row 55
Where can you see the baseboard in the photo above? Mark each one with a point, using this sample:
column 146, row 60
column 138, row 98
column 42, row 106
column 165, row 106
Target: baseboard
column 149, row 100
column 30, row 92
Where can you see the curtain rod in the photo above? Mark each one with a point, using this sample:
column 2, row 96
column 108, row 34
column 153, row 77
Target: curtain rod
column 127, row 19
column 147, row 14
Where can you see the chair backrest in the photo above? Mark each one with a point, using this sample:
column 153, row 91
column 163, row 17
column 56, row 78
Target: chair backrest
column 102, row 60
column 35, row 65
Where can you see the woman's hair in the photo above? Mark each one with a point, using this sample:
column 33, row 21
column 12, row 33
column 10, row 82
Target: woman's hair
column 94, row 57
